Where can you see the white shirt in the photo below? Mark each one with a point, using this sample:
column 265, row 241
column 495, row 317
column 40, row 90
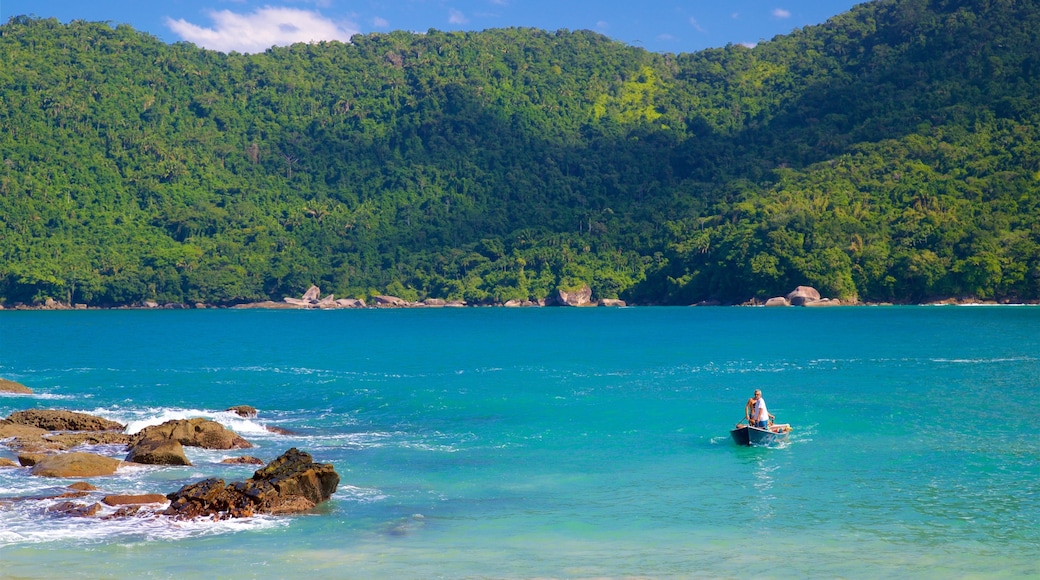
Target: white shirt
column 760, row 413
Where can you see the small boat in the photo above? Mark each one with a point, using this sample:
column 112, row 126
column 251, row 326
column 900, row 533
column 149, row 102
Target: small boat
column 745, row 434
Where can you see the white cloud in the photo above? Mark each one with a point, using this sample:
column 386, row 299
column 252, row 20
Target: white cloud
column 380, row 22
column 748, row 44
column 696, row 25
column 456, row 17
column 781, row 13
column 264, row 28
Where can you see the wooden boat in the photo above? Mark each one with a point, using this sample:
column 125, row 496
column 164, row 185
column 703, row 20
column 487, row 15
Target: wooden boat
column 745, row 434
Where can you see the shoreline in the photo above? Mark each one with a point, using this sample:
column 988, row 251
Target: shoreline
column 272, row 305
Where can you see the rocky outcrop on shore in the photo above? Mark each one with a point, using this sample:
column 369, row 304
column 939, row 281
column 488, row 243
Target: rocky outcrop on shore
column 291, row 483
column 802, row 296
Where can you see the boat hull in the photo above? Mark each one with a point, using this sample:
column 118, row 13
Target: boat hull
column 754, row 436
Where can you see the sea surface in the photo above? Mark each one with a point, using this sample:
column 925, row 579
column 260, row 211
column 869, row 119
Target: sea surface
column 555, row 443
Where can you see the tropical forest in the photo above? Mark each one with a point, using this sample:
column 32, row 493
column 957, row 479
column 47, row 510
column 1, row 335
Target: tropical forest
column 890, row 154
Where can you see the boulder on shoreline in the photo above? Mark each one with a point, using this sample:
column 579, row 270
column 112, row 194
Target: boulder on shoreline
column 578, row 297
column 803, row 295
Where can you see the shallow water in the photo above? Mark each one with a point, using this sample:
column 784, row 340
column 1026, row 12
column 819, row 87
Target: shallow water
column 578, row 443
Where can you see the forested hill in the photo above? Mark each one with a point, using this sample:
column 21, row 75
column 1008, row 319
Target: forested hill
column 889, row 154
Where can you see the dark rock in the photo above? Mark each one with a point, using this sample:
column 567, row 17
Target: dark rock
column 243, row 411
column 79, row 510
column 290, row 484
column 244, row 460
column 53, row 420
column 278, row 430
column 70, row 440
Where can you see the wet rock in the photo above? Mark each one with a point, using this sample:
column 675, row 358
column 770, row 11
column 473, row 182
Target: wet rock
column 290, row 484
column 118, row 500
column 79, row 510
column 30, row 459
column 244, row 460
column 243, row 411
column 82, row 486
column 76, row 464
column 194, row 433
column 54, row 420
column 5, row 462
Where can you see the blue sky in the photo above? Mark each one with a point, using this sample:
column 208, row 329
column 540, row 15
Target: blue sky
column 254, row 25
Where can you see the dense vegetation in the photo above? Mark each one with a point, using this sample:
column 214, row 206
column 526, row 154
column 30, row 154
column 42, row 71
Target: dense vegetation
column 891, row 153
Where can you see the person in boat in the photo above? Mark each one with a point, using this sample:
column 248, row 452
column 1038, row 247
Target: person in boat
column 756, row 412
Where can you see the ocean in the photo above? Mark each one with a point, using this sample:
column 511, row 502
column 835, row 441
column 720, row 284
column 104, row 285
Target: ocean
column 555, row 442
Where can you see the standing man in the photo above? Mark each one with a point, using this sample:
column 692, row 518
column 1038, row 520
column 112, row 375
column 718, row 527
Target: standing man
column 756, row 412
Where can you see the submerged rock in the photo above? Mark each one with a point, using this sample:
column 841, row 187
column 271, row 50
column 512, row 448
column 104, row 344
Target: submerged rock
column 243, row 411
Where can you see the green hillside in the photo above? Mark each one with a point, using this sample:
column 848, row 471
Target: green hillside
column 891, row 153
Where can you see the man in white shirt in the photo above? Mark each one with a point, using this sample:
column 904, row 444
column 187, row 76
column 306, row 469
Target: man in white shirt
column 756, row 411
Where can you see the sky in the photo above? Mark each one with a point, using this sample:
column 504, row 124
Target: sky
column 248, row 26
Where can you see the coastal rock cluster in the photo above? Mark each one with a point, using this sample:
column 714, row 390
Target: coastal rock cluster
column 312, row 298
column 45, row 442
column 802, row 296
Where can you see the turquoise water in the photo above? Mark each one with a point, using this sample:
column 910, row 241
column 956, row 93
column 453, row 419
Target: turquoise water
column 564, row 443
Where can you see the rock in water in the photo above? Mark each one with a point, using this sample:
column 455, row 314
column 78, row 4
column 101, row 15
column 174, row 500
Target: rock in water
column 291, row 483
column 156, row 451
column 52, row 420
column 7, row 386
column 75, row 464
column 194, row 433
